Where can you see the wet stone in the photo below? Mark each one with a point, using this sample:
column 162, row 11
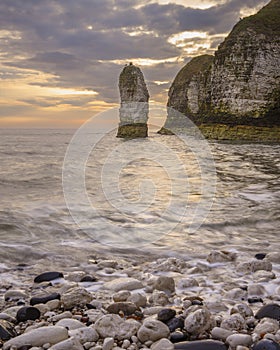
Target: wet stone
column 123, row 283
column 88, row 278
column 139, row 299
column 178, row 336
column 6, row 330
column 165, row 284
column 70, row 323
column 152, row 330
column 175, row 323
column 270, row 310
column 234, row 322
column 255, row 300
column 14, row 295
column 162, row 344
column 44, row 299
column 198, row 321
column 48, row 276
column 159, row 298
column 166, row 314
column 266, row 325
column 260, row 256
column 122, row 295
column 75, row 296
column 266, row 344
column 221, row 256
column 38, row 337
column 219, row 333
column 239, row 339
column 127, row 308
column 114, row 326
column 242, row 309
column 28, row 313
column 9, row 318
column 201, row 345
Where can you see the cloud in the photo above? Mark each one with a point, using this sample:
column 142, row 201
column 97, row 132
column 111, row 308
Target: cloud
column 84, row 44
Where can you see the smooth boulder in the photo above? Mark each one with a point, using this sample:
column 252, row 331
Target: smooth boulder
column 38, row 337
column 201, row 345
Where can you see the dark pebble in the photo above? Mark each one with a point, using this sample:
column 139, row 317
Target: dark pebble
column 21, row 267
column 47, row 276
column 139, row 314
column 269, row 310
column 6, row 330
column 44, row 299
column 176, row 337
column 126, row 307
column 201, row 345
column 28, row 313
column 197, row 302
column 175, row 323
column 254, row 300
column 84, row 319
column 88, row 278
column 260, row 256
column 266, row 344
column 90, row 306
column 166, row 314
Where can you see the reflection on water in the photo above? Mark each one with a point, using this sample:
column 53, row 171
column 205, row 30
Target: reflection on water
column 34, row 220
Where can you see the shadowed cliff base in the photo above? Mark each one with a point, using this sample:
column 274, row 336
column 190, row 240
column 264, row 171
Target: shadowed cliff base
column 241, row 132
column 223, row 132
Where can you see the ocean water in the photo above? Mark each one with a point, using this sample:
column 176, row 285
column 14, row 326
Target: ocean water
column 147, row 197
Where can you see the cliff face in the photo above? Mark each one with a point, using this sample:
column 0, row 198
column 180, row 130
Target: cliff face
column 240, row 85
column 134, row 107
column 188, row 91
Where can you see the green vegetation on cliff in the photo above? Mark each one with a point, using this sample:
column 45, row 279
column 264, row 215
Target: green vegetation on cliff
column 265, row 22
column 195, row 66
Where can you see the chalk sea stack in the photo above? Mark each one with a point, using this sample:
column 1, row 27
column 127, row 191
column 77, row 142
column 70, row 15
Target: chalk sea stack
column 234, row 94
column 134, row 107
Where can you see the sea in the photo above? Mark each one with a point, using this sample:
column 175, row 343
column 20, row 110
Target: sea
column 68, row 195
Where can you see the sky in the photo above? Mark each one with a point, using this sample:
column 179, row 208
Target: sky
column 60, row 59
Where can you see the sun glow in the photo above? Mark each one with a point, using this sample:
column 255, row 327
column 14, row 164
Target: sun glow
column 147, row 61
column 199, row 4
column 159, row 82
column 59, row 91
column 180, row 38
column 138, row 31
column 195, row 43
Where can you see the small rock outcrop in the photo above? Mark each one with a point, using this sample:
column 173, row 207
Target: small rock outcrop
column 134, row 107
column 234, row 94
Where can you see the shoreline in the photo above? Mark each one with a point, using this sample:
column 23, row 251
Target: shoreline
column 236, row 133
column 215, row 298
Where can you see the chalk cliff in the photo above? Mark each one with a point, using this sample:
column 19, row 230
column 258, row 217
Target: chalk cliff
column 238, row 87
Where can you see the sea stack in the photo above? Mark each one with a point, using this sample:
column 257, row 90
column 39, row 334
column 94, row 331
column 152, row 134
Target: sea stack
column 134, row 107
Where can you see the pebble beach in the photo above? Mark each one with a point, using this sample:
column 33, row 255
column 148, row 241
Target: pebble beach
column 225, row 300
